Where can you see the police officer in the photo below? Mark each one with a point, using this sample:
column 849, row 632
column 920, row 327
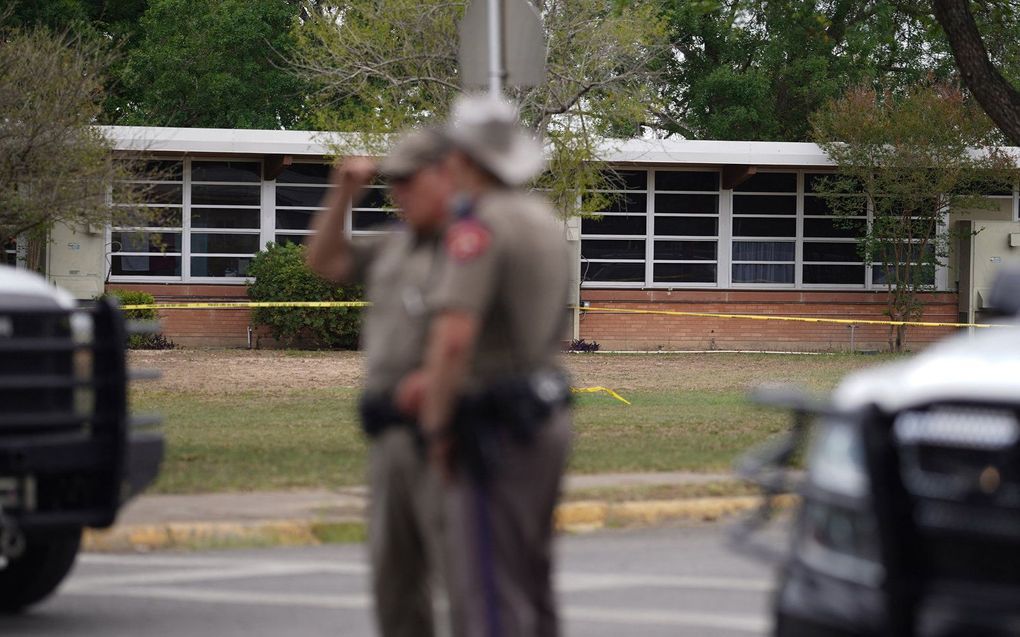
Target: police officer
column 398, row 269
column 495, row 409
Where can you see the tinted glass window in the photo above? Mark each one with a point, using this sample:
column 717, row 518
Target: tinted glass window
column 294, row 219
column 752, row 227
column 616, row 272
column 848, row 227
column 596, row 249
column 762, row 273
column 306, row 197
column 830, row 251
column 619, row 202
column 226, row 171
column 225, row 218
column 220, row 266
column 226, row 195
column 145, row 242
column 687, row 226
column 764, row 205
column 613, row 225
column 627, row 180
column 157, row 265
column 685, row 272
column 304, row 174
column 764, row 250
column 685, row 250
column 371, row 219
column 769, row 182
column 684, row 180
column 225, row 243
column 834, row 274
column 696, row 204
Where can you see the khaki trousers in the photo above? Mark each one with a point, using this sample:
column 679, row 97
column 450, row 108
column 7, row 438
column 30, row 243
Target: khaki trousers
column 403, row 534
column 498, row 540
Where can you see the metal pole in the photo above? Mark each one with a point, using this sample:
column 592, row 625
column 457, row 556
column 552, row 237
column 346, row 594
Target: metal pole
column 497, row 68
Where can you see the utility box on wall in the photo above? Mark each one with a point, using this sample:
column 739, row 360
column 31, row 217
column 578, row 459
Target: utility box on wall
column 77, row 261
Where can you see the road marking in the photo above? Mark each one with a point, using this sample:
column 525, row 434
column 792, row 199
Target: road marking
column 238, row 571
column 361, row 602
column 647, row 617
column 578, row 582
column 216, row 596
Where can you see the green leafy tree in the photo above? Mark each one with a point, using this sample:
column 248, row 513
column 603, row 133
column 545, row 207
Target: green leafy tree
column 379, row 66
column 281, row 275
column 906, row 160
column 54, row 164
column 757, row 70
column 212, row 63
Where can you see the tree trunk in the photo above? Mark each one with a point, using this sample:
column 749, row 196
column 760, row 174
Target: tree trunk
column 999, row 99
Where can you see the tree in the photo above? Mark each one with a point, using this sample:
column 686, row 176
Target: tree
column 999, row 98
column 758, row 70
column 55, row 167
column 379, row 66
column 212, row 63
column 908, row 159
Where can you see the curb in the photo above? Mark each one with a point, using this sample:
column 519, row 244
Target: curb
column 570, row 517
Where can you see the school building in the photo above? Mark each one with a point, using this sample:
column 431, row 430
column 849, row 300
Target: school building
column 691, row 226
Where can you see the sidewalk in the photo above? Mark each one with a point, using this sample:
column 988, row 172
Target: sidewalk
column 297, row 517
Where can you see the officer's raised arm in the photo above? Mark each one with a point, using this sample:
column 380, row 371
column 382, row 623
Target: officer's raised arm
column 330, row 253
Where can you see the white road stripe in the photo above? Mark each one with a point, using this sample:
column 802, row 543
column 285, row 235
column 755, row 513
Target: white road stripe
column 579, row 582
column 240, row 571
column 628, row 617
column 631, row 617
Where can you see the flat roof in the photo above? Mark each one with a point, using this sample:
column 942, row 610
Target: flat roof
column 229, row 141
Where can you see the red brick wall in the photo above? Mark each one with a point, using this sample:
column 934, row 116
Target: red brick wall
column 229, row 328
column 198, row 328
column 649, row 332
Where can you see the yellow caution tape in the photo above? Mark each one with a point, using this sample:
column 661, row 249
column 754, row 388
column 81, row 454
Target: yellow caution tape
column 595, row 390
column 244, row 304
column 617, row 310
column 800, row 319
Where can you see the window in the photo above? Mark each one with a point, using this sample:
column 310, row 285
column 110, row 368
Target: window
column 831, row 253
column 764, row 248
column 225, row 214
column 613, row 246
column 300, row 189
column 9, row 254
column 686, row 249
column 151, row 245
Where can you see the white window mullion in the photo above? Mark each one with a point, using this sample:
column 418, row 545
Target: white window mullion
column 186, row 223
column 650, row 228
column 798, row 252
column 267, row 227
column 725, row 250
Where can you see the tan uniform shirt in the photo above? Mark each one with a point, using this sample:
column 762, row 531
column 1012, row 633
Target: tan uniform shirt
column 508, row 263
column 398, row 271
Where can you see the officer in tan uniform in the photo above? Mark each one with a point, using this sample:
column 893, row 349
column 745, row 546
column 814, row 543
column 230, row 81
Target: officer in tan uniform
column 398, row 270
column 495, row 410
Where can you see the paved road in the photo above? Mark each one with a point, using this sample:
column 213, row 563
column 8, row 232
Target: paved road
column 677, row 581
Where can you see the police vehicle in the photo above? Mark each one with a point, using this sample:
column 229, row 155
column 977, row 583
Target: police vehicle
column 909, row 522
column 70, row 455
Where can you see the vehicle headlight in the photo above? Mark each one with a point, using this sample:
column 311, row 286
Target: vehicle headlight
column 82, row 362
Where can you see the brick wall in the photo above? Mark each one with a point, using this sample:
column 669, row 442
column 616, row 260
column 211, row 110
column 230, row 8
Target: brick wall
column 649, row 332
column 199, row 328
column 229, row 328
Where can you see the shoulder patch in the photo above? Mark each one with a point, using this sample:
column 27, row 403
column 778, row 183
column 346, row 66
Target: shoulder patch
column 467, row 240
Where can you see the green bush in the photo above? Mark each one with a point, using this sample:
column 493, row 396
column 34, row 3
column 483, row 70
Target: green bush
column 281, row 275
column 141, row 341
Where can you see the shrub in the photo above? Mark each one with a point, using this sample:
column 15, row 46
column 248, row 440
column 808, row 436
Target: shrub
column 141, row 341
column 581, row 345
column 281, row 275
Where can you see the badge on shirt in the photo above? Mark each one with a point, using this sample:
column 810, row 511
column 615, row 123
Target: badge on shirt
column 467, row 240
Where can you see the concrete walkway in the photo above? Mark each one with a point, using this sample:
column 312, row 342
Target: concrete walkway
column 190, row 521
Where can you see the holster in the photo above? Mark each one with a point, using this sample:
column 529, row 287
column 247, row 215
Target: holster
column 514, row 410
column 378, row 412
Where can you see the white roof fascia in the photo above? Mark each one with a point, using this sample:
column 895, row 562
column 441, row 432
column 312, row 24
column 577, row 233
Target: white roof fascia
column 225, row 141
column 228, row 141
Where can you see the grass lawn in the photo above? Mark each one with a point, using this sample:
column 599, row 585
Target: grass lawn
column 264, row 430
